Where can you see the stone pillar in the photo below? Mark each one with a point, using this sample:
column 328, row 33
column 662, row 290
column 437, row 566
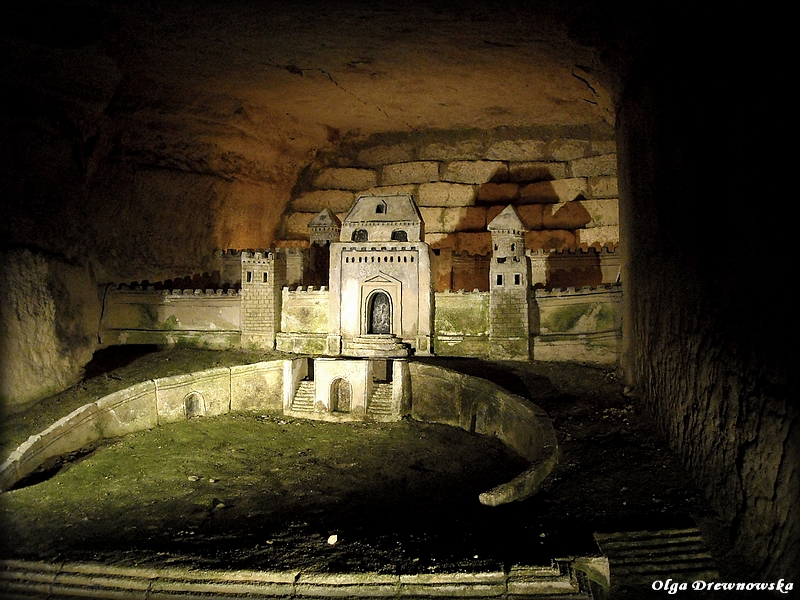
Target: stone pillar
column 401, row 387
column 423, row 340
column 334, row 339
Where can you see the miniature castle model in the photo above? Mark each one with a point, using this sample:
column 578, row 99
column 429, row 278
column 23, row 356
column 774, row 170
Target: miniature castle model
column 363, row 289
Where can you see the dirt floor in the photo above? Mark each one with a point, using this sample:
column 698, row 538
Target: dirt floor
column 266, row 491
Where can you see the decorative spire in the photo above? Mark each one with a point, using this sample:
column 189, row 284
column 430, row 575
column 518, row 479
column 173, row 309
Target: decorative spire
column 507, row 221
column 325, row 218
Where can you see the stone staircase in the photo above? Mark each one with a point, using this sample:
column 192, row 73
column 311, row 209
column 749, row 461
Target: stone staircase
column 640, row 557
column 303, row 400
column 376, row 346
column 380, row 404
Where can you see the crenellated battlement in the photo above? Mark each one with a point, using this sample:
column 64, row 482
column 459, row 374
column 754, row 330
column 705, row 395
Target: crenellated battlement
column 466, row 255
column 229, row 252
column 260, row 253
column 583, row 250
column 290, row 250
column 249, row 256
column 578, row 291
column 311, row 289
column 153, row 290
column 461, row 292
column 372, row 248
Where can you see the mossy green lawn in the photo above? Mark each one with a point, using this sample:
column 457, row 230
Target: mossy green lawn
column 17, row 427
column 260, row 489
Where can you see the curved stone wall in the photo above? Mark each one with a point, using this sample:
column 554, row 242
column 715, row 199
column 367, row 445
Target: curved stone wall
column 439, row 396
column 257, row 386
column 479, row 406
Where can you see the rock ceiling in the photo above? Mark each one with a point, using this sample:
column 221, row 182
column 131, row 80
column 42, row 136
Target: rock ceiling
column 244, row 94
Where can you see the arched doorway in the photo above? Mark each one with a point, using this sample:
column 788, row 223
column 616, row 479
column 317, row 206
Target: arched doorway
column 380, row 314
column 341, row 395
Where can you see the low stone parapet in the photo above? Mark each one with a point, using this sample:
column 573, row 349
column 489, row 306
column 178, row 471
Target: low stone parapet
column 256, row 387
column 480, row 406
column 437, row 395
column 35, row 579
column 579, row 324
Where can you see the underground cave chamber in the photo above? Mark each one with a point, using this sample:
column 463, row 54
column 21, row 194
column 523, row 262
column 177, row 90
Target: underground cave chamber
column 137, row 144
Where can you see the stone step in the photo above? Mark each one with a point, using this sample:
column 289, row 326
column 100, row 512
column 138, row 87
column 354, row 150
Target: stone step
column 29, row 580
column 376, row 345
column 382, row 390
column 640, row 557
column 379, row 409
column 552, row 583
column 381, row 401
column 303, row 400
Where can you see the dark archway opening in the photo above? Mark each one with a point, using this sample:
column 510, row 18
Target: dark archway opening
column 380, row 314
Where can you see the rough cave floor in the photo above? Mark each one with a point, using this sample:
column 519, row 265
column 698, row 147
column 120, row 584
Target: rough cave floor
column 265, row 491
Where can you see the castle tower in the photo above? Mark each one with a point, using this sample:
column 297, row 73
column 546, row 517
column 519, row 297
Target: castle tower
column 263, row 275
column 324, row 229
column 509, row 288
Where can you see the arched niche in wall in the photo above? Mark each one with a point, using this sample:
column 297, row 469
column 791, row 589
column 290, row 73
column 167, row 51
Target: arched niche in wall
column 341, row 395
column 379, row 318
column 194, row 405
column 390, row 305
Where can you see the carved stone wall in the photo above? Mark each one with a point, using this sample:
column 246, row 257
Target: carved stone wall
column 197, row 318
column 709, row 347
column 562, row 181
column 461, row 324
column 49, row 315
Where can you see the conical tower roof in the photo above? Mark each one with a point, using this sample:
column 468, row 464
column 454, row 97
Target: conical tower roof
column 506, row 221
column 325, row 218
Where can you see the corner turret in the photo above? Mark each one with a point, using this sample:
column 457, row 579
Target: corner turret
column 263, row 276
column 509, row 288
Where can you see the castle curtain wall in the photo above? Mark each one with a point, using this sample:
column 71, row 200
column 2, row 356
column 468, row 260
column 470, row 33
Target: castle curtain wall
column 205, row 319
column 461, row 324
column 304, row 320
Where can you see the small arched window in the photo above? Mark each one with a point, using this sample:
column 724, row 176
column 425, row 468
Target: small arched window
column 359, row 235
column 399, row 235
column 380, row 209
